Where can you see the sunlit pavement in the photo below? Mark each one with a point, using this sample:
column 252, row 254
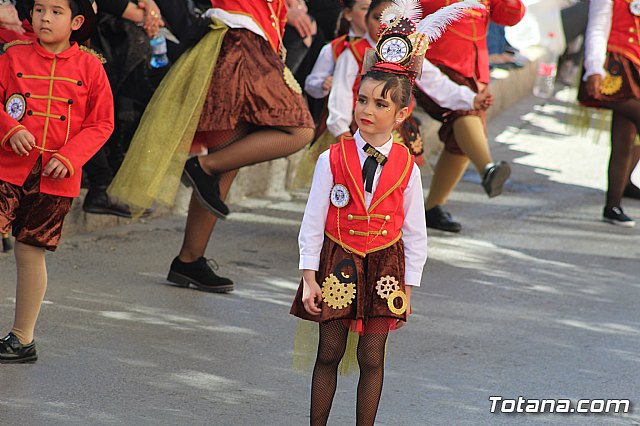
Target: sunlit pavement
column 535, row 298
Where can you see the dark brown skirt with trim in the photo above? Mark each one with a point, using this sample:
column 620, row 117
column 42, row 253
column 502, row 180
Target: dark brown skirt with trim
column 248, row 85
column 35, row 218
column 621, row 83
column 447, row 116
column 340, row 269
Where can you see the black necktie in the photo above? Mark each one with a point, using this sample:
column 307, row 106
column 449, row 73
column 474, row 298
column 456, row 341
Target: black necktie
column 370, row 165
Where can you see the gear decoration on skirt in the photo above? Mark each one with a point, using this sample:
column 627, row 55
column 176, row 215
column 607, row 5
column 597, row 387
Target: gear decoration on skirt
column 291, row 81
column 336, row 294
column 611, row 84
column 391, row 302
column 386, row 286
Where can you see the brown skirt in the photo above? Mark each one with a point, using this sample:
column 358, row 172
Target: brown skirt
column 447, row 116
column 621, row 83
column 35, row 218
column 248, row 85
column 375, row 276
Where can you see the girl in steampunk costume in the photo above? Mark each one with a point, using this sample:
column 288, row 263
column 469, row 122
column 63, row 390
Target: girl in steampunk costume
column 363, row 241
column 232, row 94
column 612, row 81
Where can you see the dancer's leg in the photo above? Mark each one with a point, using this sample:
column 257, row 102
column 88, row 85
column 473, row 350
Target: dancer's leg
column 623, row 134
column 32, row 285
column 371, row 351
column 331, row 347
column 472, row 140
column 447, row 174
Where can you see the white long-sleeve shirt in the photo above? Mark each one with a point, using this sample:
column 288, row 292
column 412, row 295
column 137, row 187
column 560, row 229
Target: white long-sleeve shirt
column 323, row 68
column 597, row 37
column 414, row 230
column 433, row 82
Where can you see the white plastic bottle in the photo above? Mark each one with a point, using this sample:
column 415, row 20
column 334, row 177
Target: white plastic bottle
column 547, row 69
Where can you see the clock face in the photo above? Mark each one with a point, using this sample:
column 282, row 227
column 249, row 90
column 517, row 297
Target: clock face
column 16, row 106
column 634, row 7
column 394, row 49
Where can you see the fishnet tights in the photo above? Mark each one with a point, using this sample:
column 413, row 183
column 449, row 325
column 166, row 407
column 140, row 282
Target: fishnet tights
column 371, row 352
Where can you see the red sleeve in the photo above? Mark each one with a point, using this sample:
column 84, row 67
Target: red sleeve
column 507, row 12
column 96, row 127
column 8, row 126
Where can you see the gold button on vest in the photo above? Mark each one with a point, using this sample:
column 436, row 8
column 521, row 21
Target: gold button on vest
column 352, row 232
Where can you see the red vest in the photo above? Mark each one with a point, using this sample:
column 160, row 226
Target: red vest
column 353, row 227
column 625, row 32
column 358, row 48
column 259, row 11
column 463, row 45
column 338, row 45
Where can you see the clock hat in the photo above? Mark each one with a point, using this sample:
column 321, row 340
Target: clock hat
column 403, row 37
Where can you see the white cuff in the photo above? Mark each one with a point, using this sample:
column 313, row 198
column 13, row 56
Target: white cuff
column 412, row 278
column 309, row 262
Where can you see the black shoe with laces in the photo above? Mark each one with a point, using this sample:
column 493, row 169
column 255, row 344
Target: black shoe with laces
column 632, row 191
column 494, row 177
column 616, row 216
column 206, row 187
column 437, row 218
column 14, row 352
column 199, row 274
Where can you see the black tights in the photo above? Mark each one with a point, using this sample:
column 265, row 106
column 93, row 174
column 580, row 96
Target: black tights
column 331, row 347
column 625, row 127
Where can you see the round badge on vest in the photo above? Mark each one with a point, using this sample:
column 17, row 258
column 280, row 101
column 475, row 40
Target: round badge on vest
column 634, row 7
column 339, row 195
column 16, row 106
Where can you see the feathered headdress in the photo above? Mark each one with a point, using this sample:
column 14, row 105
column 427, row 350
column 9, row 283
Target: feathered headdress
column 404, row 38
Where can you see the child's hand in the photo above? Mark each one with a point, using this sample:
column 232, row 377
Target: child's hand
column 55, row 169
column 328, row 82
column 311, row 293
column 483, row 100
column 407, row 291
column 22, row 142
column 594, row 84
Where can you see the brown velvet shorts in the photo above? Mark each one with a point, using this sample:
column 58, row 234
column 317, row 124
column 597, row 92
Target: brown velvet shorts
column 621, row 83
column 35, row 218
column 248, row 86
column 378, row 266
column 447, row 116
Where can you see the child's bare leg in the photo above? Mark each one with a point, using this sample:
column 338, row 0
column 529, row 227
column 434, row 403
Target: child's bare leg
column 32, row 284
column 331, row 347
column 371, row 349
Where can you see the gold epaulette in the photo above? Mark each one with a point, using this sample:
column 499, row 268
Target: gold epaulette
column 90, row 51
column 15, row 43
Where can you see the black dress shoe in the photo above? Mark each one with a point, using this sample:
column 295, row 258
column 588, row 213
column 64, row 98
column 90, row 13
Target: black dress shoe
column 97, row 201
column 200, row 274
column 437, row 218
column 494, row 177
column 632, row 191
column 14, row 352
column 206, row 187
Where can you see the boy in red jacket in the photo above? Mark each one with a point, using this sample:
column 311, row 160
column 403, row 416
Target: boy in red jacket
column 58, row 111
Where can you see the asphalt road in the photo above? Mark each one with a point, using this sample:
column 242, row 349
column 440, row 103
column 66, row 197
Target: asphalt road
column 535, row 298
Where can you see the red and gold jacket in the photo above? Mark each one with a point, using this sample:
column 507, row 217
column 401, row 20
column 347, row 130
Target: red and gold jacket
column 357, row 229
column 463, row 46
column 64, row 100
column 259, row 11
column 624, row 37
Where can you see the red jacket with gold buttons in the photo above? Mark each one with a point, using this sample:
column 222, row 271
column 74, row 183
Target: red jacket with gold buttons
column 259, row 11
column 624, row 37
column 64, row 100
column 357, row 229
column 463, row 46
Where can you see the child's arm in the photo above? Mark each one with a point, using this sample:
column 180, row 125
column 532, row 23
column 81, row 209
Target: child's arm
column 311, row 292
column 314, row 84
column 96, row 126
column 341, row 95
column 9, row 127
column 443, row 91
column 414, row 230
column 595, row 45
column 311, row 235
